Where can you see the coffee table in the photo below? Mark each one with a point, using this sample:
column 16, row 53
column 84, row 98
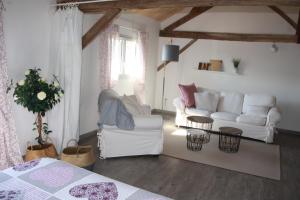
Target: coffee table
column 196, row 137
column 230, row 143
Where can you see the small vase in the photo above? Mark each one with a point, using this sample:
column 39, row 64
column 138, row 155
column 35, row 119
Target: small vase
column 236, row 70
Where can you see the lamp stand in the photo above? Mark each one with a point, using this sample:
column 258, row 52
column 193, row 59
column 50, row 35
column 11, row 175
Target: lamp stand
column 163, row 89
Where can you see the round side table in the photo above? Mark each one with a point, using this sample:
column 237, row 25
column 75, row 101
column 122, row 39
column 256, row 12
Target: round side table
column 230, row 143
column 196, row 138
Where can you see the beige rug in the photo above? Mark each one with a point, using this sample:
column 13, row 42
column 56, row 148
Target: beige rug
column 253, row 158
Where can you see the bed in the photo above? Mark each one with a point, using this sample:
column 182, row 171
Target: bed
column 52, row 179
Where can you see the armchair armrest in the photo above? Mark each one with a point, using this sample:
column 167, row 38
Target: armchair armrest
column 177, row 102
column 273, row 117
column 154, row 122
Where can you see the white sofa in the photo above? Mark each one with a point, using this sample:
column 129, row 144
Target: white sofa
column 145, row 139
column 256, row 114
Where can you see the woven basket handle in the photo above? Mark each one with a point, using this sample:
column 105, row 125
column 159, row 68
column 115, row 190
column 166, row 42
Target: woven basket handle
column 72, row 140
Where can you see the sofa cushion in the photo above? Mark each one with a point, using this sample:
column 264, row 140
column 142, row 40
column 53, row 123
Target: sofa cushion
column 257, row 110
column 197, row 112
column 252, row 119
column 206, row 101
column 258, row 100
column 187, row 94
column 231, row 102
column 227, row 116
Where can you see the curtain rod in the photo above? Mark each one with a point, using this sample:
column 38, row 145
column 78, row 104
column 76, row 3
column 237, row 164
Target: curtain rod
column 80, row 2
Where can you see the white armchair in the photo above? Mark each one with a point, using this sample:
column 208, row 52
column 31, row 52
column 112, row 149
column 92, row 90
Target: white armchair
column 145, row 139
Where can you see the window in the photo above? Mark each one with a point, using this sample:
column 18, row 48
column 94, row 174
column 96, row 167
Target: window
column 125, row 58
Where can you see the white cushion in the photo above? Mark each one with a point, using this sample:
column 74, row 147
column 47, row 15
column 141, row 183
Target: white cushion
column 133, row 106
column 258, row 100
column 257, row 110
column 251, row 119
column 224, row 116
column 206, row 101
column 231, row 102
column 197, row 112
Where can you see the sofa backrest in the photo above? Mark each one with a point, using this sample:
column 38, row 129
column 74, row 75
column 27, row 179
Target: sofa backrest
column 231, row 102
column 258, row 102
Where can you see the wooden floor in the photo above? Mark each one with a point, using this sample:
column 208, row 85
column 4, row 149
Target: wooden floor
column 184, row 180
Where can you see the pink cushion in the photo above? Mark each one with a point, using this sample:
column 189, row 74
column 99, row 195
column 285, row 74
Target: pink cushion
column 187, row 94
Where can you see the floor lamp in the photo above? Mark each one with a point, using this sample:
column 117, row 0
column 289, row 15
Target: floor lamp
column 169, row 53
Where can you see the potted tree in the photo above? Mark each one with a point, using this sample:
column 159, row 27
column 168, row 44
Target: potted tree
column 236, row 62
column 38, row 96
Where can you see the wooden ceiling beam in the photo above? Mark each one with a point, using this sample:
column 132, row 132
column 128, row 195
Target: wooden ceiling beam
column 196, row 11
column 284, row 16
column 298, row 28
column 231, row 36
column 146, row 4
column 99, row 26
column 160, row 67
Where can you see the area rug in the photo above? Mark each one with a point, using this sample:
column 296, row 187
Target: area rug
column 253, row 157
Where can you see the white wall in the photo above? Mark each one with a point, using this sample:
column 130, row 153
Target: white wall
column 26, row 27
column 262, row 71
column 90, row 70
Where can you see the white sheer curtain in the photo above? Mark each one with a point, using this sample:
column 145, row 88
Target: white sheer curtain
column 109, row 55
column 65, row 62
column 10, row 153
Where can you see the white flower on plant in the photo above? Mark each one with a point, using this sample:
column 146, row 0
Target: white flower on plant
column 27, row 72
column 60, row 94
column 16, row 98
column 56, row 84
column 56, row 97
column 41, row 95
column 43, row 79
column 21, row 82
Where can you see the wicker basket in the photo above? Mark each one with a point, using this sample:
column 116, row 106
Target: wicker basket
column 39, row 151
column 81, row 156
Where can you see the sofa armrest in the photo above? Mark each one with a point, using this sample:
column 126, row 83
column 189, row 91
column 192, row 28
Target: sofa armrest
column 154, row 122
column 273, row 117
column 178, row 103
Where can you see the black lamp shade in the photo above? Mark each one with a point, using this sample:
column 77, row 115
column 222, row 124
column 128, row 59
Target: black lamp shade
column 170, row 53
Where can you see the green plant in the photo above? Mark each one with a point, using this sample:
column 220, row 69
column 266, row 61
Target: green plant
column 236, row 62
column 38, row 96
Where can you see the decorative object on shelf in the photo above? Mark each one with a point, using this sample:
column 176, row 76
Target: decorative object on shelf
column 203, row 66
column 216, row 65
column 274, row 48
column 38, row 96
column 170, row 53
column 81, row 156
column 236, row 62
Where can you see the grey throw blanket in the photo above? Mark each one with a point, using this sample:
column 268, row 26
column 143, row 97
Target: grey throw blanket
column 112, row 111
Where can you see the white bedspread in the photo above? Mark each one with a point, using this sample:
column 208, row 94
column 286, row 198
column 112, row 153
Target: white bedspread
column 52, row 179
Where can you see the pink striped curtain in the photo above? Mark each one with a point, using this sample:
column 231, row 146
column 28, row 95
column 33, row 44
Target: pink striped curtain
column 107, row 41
column 139, row 85
column 9, row 148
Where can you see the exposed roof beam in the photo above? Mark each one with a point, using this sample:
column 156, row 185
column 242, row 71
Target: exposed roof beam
column 298, row 28
column 146, row 4
column 284, row 16
column 196, row 11
column 160, row 67
column 99, row 26
column 231, row 36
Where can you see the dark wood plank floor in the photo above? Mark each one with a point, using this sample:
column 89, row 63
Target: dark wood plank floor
column 184, row 180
